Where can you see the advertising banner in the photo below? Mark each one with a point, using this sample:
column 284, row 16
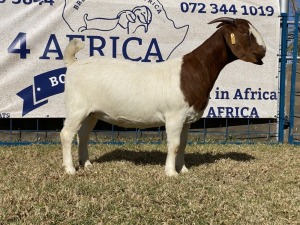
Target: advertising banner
column 34, row 34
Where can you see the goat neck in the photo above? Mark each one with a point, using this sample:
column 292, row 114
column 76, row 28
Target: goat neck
column 201, row 67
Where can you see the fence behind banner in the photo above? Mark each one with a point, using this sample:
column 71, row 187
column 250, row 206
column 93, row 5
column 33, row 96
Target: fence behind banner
column 207, row 130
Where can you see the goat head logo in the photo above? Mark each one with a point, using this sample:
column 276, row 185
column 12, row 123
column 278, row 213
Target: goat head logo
column 139, row 17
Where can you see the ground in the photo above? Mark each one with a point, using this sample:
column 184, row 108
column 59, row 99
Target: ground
column 226, row 184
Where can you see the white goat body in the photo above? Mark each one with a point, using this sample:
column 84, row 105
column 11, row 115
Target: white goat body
column 125, row 93
column 173, row 93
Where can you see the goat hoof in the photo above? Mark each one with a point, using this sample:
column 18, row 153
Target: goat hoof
column 87, row 164
column 184, row 170
column 70, row 170
column 171, row 173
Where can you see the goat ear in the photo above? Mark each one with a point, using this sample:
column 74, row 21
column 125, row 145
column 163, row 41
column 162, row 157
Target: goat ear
column 223, row 20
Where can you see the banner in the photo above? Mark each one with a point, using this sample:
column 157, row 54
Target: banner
column 34, row 34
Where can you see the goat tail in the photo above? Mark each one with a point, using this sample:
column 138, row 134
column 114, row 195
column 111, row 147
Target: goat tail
column 73, row 47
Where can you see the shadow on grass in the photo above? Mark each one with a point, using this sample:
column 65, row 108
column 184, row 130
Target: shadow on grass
column 159, row 158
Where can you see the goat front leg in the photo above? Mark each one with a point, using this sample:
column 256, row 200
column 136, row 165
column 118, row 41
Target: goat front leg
column 180, row 163
column 83, row 138
column 173, row 128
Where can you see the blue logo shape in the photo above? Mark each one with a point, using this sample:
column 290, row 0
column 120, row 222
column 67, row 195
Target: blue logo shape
column 45, row 85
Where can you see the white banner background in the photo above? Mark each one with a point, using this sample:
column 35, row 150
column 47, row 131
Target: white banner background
column 34, row 34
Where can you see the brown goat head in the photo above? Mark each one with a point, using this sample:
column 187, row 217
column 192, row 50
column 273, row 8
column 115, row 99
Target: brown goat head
column 244, row 41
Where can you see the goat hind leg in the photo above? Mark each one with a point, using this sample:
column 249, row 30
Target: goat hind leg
column 66, row 136
column 71, row 126
column 83, row 137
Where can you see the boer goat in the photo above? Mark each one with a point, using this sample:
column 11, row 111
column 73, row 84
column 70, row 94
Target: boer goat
column 173, row 93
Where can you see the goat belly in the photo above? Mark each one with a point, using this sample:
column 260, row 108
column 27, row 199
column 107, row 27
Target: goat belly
column 132, row 122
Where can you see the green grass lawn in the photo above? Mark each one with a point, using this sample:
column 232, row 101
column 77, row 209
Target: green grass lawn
column 226, row 184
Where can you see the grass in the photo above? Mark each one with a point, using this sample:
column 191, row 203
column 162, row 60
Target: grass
column 227, row 184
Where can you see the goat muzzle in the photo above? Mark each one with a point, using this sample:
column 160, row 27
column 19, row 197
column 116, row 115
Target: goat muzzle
column 259, row 55
column 259, row 62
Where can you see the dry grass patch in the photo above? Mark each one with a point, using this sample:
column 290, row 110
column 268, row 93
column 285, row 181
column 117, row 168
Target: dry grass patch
column 227, row 184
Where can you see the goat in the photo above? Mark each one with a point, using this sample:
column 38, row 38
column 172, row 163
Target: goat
column 173, row 93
